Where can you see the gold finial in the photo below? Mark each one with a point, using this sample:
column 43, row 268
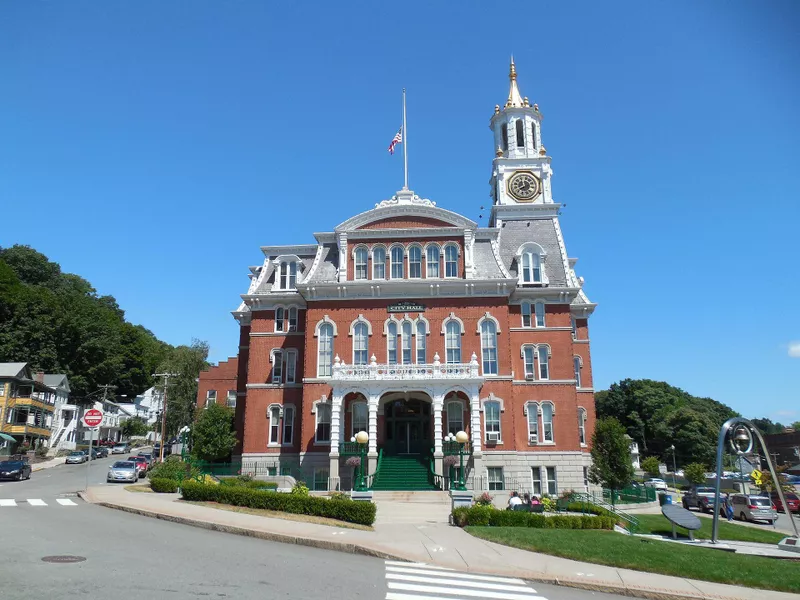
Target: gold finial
column 514, row 98
column 499, row 152
column 542, row 151
column 496, row 108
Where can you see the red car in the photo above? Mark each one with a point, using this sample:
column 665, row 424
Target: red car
column 141, row 465
column 791, row 499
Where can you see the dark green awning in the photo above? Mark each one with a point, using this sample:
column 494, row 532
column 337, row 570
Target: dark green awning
column 6, row 437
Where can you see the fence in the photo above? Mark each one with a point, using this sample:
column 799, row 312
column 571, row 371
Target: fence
column 631, row 495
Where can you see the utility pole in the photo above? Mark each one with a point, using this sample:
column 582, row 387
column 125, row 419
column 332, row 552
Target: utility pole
column 166, row 377
column 105, row 389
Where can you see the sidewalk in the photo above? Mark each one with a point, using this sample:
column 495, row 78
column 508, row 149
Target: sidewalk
column 435, row 544
column 54, row 462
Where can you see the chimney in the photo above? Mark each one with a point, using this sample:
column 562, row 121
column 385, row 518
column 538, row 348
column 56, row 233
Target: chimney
column 39, row 377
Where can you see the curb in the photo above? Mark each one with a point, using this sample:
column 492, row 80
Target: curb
column 604, row 587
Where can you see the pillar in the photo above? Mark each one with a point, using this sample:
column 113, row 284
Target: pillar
column 438, row 402
column 475, row 427
column 372, row 428
column 336, row 415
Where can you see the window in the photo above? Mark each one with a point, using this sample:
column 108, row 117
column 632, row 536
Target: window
column 536, row 476
column 288, row 276
column 320, row 479
column 520, row 134
column 293, row 318
column 286, row 470
column 533, row 423
column 415, row 262
column 544, row 365
column 272, row 471
column 550, row 481
column 277, row 366
column 230, row 401
column 292, row 275
column 496, row 478
column 489, row 347
column 433, row 255
column 527, row 355
column 531, row 267
column 379, row 263
column 284, row 275
column 391, row 343
column 539, row 310
column 451, row 261
column 280, row 318
column 360, row 413
column 452, row 342
column 323, row 428
column 576, row 363
column 455, row 417
column 421, row 342
column 360, row 344
column 533, row 133
column 361, row 263
column 547, row 421
column 397, row 262
column 291, row 365
column 491, row 419
column 504, row 134
column 325, row 351
column 288, row 425
column 526, row 314
column 274, row 424
column 211, row 397
column 406, row 342
column 582, row 426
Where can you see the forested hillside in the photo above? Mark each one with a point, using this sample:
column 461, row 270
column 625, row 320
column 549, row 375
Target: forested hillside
column 57, row 322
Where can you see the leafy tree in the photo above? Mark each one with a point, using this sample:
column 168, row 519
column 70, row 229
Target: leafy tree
column 767, row 427
column 695, row 473
column 796, row 425
column 134, row 427
column 611, row 456
column 185, row 362
column 213, row 436
column 650, row 466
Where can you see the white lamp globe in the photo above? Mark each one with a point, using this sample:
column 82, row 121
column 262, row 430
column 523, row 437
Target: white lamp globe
column 362, row 437
column 462, row 437
column 353, row 439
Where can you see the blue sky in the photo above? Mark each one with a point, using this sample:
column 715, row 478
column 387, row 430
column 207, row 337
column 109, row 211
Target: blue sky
column 152, row 147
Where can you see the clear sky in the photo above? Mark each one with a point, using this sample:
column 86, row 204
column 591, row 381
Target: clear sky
column 152, row 147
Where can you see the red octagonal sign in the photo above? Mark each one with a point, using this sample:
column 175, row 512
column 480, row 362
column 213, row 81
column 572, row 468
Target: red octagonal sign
column 93, row 417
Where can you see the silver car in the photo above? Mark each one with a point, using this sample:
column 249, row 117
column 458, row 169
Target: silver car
column 76, row 458
column 753, row 508
column 122, row 470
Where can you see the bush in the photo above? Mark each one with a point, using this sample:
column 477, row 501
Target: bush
column 173, row 468
column 41, row 451
column 650, row 466
column 237, row 495
column 299, row 489
column 588, row 507
column 164, row 486
column 248, row 482
column 485, row 499
column 486, row 516
column 548, row 503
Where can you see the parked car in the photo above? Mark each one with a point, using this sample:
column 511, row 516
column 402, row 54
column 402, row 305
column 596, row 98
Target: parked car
column 141, row 464
column 702, row 497
column 120, row 448
column 77, row 457
column 147, row 456
column 122, row 470
column 94, row 453
column 792, row 501
column 157, row 450
column 102, row 452
column 15, row 469
column 753, row 508
column 656, row 483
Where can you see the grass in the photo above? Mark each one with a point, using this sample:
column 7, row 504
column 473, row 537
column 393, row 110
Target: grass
column 139, row 488
column 653, row 556
column 659, row 525
column 259, row 512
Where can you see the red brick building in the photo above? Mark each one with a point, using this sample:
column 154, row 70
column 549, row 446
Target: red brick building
column 411, row 322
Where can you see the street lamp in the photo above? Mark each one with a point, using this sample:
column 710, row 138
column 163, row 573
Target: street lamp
column 183, row 432
column 462, row 438
column 674, row 468
column 362, row 437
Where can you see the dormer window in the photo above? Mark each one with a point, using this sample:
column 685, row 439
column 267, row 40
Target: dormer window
column 361, row 263
column 520, row 134
column 530, row 264
column 287, row 275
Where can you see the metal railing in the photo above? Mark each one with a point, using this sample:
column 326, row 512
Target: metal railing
column 434, row 370
column 632, row 495
column 371, row 477
column 630, row 522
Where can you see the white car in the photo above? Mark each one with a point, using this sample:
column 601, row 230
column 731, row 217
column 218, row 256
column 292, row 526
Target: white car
column 656, row 483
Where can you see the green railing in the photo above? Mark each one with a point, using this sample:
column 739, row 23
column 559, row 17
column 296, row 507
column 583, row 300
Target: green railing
column 371, row 478
column 630, row 522
column 632, row 495
column 452, row 448
column 218, row 469
column 349, row 448
column 436, row 480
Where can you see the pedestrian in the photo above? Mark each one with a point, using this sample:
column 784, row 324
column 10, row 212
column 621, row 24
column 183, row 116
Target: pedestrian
column 729, row 508
column 514, row 500
column 526, row 499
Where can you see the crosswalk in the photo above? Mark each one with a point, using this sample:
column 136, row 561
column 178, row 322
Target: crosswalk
column 418, row 581
column 9, row 502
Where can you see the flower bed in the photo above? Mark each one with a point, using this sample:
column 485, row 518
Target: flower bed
column 362, row 513
column 490, row 516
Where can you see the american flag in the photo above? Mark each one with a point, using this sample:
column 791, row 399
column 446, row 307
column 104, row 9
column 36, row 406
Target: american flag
column 397, row 139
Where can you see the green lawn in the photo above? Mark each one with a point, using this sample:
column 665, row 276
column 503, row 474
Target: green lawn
column 630, row 552
column 659, row 525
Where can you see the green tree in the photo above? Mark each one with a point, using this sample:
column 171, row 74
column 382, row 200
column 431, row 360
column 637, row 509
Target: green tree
column 185, row 362
column 796, row 425
column 213, row 436
column 134, row 427
column 650, row 466
column 695, row 473
column 611, row 456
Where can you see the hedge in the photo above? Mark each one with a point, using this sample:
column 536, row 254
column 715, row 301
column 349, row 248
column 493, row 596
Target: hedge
column 172, row 468
column 253, row 483
column 343, row 510
column 492, row 517
column 163, row 485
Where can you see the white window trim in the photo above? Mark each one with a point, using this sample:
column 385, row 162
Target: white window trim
column 489, row 318
column 533, row 363
column 314, row 411
column 523, row 305
column 353, row 415
column 360, row 321
column 290, row 352
column 493, row 400
column 366, row 262
column 273, row 360
column 322, row 321
column 325, row 320
column 452, row 317
column 531, row 248
column 293, row 409
column 228, row 397
column 422, row 260
column 385, row 256
column 439, row 262
column 444, row 259
column 546, row 480
column 283, row 319
column 532, row 408
column 462, row 404
column 397, row 324
column 544, row 442
column 582, row 418
column 502, row 478
column 536, row 306
column 402, row 336
column 402, row 261
column 486, row 317
column 417, row 336
column 538, row 373
column 579, row 370
column 270, row 410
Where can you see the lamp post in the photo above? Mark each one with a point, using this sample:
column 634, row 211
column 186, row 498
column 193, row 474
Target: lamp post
column 674, row 468
column 362, row 437
column 462, row 438
column 184, row 432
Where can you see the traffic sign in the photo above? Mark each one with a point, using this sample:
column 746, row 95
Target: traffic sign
column 757, row 476
column 92, row 417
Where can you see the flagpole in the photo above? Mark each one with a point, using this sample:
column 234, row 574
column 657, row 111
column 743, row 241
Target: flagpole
column 405, row 143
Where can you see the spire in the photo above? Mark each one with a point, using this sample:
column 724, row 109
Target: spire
column 514, row 97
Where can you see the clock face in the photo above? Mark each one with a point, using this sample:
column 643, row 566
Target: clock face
column 524, row 186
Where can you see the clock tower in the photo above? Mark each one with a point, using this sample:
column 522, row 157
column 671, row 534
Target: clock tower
column 521, row 168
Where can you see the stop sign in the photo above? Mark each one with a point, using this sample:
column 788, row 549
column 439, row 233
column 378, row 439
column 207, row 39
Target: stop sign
column 92, row 417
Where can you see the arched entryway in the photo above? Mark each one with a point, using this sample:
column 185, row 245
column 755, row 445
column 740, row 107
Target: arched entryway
column 407, row 425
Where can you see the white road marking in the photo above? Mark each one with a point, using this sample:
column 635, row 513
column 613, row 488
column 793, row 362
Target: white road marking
column 485, row 585
column 36, row 502
column 416, row 571
column 433, row 589
column 399, row 563
column 7, row 502
column 66, row 502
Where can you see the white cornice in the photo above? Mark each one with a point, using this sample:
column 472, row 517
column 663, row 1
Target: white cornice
column 302, row 249
column 422, row 288
column 416, row 232
column 402, row 207
column 551, row 294
column 270, row 300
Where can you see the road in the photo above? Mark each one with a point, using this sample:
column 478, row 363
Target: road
column 130, row 556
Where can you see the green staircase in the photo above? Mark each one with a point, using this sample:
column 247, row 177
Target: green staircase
column 403, row 472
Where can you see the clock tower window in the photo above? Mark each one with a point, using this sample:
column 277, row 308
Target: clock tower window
column 504, row 132
column 520, row 133
column 533, row 134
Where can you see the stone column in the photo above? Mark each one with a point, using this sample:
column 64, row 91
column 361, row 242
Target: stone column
column 438, row 401
column 475, row 425
column 372, row 429
column 336, row 413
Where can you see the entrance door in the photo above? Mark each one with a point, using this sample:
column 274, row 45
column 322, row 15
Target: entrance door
column 409, row 438
column 408, row 427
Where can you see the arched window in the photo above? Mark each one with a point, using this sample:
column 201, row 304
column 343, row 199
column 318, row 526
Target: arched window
column 291, row 365
column 280, row 318
column 531, row 267
column 391, row 343
column 361, row 263
column 489, row 347
column 520, row 134
column 325, row 350
column 547, row 422
column 415, row 262
column 451, row 261
column 284, row 274
column 360, row 344
column 406, row 342
column 544, row 362
column 528, row 353
column 504, row 134
column 360, row 418
column 421, row 333
column 277, row 366
column 274, row 425
column 288, row 425
column 452, row 342
column 292, row 276
column 533, row 422
column 455, row 417
column 539, row 309
column 379, row 263
column 432, row 266
column 582, row 426
column 397, row 262
column 292, row 318
column 526, row 314
column 533, row 133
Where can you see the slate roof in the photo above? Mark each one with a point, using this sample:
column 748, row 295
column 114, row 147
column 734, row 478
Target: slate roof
column 542, row 231
column 486, row 266
column 15, row 369
column 328, row 266
column 55, row 380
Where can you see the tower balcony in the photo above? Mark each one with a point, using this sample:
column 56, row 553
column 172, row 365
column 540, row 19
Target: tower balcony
column 375, row 371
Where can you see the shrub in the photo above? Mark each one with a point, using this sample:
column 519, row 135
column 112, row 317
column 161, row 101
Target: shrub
column 352, row 512
column 248, row 482
column 41, row 451
column 548, row 503
column 299, row 489
column 485, row 516
column 164, row 486
column 485, row 499
column 340, row 497
column 460, row 516
column 173, row 468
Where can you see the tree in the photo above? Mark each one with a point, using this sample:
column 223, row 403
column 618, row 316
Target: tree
column 695, row 473
column 767, row 427
column 134, row 427
column 796, row 426
column 650, row 466
column 611, row 456
column 213, row 436
column 185, row 362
